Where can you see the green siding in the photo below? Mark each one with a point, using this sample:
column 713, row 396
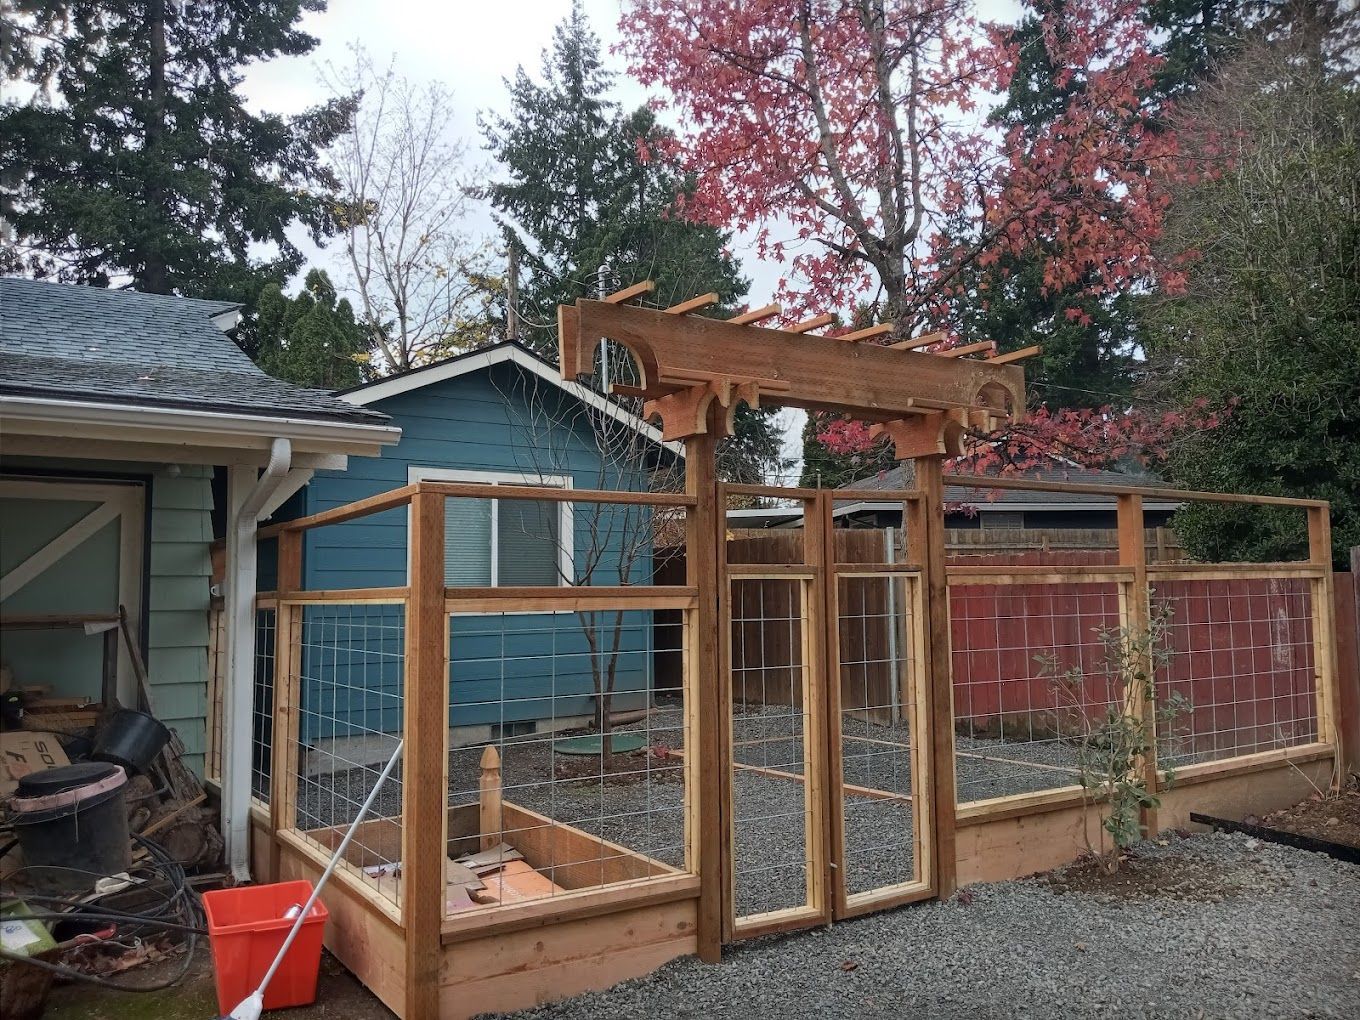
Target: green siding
column 177, row 621
column 176, row 595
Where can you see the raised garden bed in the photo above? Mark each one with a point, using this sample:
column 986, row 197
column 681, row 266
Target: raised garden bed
column 1327, row 825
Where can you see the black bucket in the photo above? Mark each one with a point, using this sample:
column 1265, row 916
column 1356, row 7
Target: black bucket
column 72, row 825
column 130, row 739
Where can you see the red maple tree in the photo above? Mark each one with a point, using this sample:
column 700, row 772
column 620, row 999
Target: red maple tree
column 851, row 137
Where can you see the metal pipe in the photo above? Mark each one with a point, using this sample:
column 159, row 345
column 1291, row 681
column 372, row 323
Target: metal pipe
column 247, row 497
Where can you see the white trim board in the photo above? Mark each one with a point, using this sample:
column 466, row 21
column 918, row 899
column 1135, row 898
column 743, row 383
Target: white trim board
column 123, row 423
column 476, row 361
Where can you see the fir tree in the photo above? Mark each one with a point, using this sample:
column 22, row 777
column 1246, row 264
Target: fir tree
column 590, row 201
column 312, row 339
column 139, row 159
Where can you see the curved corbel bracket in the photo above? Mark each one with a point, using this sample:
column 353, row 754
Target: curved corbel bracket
column 688, row 412
column 940, row 433
column 1005, row 399
column 577, row 354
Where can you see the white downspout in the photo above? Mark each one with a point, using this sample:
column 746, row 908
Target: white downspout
column 247, row 496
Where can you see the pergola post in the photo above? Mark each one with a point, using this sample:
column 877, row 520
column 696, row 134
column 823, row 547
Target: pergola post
column 704, row 529
column 926, row 547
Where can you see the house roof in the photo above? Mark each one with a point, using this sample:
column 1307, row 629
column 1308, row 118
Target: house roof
column 903, row 477
column 119, row 347
column 505, row 352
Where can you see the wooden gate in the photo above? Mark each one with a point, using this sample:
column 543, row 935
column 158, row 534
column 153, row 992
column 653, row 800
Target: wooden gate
column 826, row 775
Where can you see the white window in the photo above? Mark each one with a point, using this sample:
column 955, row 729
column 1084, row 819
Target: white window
column 510, row 542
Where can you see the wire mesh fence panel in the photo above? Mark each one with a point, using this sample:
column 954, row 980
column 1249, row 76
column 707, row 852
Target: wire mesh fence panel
column 1032, row 681
column 262, row 702
column 772, row 810
column 567, row 767
column 350, row 680
column 878, row 710
column 1242, row 675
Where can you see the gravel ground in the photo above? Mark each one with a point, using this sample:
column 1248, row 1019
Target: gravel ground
column 1279, row 938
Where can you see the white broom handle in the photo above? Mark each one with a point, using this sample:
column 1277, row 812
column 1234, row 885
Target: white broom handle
column 335, row 859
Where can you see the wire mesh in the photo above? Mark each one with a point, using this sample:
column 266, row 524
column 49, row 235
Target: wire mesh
column 568, row 748
column 771, row 806
column 350, row 660
column 262, row 705
column 877, row 693
column 1019, row 719
column 1242, row 667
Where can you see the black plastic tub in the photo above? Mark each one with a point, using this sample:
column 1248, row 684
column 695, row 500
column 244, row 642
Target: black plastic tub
column 72, row 825
column 131, row 739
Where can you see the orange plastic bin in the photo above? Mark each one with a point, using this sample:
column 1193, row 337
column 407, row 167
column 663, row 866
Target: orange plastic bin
column 246, row 929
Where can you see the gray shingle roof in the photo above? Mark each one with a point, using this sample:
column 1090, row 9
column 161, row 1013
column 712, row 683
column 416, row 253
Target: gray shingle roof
column 119, row 346
column 903, row 477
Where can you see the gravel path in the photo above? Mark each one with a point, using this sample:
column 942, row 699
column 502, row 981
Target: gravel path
column 1278, row 938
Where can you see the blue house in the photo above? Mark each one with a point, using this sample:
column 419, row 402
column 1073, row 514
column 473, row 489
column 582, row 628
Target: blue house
column 501, row 416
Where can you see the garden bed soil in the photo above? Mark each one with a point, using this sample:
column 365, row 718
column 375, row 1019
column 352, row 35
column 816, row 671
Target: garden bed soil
column 1334, row 818
column 1146, row 876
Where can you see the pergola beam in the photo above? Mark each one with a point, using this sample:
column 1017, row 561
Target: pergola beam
column 675, row 353
column 628, row 293
column 694, row 303
column 816, row 322
column 1014, row 356
column 882, row 329
column 977, row 348
column 756, row 315
column 924, row 340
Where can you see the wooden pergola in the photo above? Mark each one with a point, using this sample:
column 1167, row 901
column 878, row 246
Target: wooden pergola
column 693, row 371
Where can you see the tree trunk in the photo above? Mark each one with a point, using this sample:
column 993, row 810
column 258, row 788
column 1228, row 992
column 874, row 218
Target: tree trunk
column 154, row 276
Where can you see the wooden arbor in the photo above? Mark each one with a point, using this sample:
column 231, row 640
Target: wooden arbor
column 692, row 372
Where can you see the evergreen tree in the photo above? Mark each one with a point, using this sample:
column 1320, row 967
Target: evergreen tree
column 590, row 200
column 311, row 339
column 138, row 156
column 829, row 469
column 589, row 188
column 1270, row 316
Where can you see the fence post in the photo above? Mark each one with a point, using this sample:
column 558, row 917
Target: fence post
column 705, row 528
column 1138, row 616
column 926, row 537
column 424, row 775
column 283, row 767
column 1324, row 634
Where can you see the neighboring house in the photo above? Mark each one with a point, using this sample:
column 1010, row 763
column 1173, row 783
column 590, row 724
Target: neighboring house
column 115, row 408
column 498, row 415
column 968, row 508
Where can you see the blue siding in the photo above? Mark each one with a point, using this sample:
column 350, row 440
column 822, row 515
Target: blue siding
column 503, row 669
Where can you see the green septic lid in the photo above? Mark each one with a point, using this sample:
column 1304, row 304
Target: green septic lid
column 21, row 932
column 592, row 743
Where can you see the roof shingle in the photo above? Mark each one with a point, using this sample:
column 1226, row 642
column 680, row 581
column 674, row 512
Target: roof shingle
column 92, row 344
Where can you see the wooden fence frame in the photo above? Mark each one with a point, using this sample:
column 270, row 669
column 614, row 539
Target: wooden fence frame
column 421, row 965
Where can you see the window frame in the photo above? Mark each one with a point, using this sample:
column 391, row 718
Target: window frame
column 566, row 518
